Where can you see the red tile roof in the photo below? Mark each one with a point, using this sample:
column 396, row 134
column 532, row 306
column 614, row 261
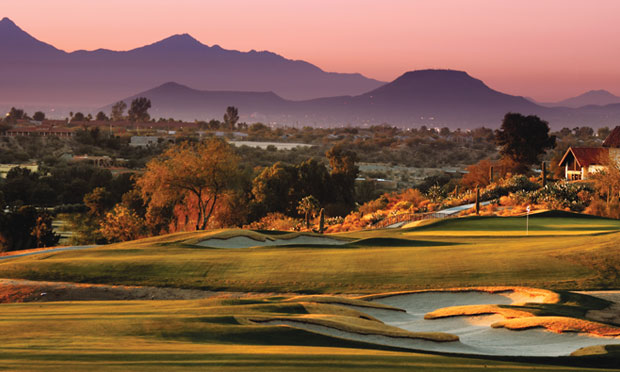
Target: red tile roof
column 613, row 139
column 587, row 156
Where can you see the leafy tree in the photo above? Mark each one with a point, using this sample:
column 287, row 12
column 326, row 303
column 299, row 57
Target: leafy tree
column 43, row 232
column 274, row 189
column 313, row 179
column 524, row 138
column 101, row 116
column 603, row 132
column 231, row 117
column 139, row 110
column 38, row 116
column 118, row 110
column 14, row 115
column 98, row 202
column 19, row 185
column 26, row 228
column 190, row 173
column 78, row 116
column 343, row 173
column 122, row 224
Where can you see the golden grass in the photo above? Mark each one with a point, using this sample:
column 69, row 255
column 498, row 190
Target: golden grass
column 469, row 310
column 559, row 324
column 549, row 297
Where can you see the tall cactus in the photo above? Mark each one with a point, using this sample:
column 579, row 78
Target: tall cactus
column 322, row 220
column 477, row 200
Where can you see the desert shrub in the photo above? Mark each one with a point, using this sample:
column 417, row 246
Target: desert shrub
column 276, row 221
column 374, row 205
column 599, row 207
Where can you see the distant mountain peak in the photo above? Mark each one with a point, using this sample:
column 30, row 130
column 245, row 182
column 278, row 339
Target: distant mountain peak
column 13, row 38
column 598, row 97
column 6, row 24
column 434, row 75
column 598, row 92
column 179, row 40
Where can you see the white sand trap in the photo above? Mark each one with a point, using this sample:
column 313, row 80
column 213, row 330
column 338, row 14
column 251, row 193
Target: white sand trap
column 474, row 339
column 247, row 242
column 475, row 332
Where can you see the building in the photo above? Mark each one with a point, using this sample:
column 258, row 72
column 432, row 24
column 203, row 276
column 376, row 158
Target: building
column 143, row 141
column 580, row 162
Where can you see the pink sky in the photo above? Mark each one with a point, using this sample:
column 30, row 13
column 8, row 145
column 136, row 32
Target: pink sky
column 546, row 49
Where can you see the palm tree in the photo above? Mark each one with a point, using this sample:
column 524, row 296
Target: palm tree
column 308, row 207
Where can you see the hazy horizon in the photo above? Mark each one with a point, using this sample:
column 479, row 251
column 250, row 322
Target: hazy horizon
column 548, row 50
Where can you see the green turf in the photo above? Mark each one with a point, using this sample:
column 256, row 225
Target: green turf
column 199, row 335
column 383, row 262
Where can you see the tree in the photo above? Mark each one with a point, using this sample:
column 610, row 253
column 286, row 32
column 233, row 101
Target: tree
column 603, row 132
column 98, row 202
column 190, row 174
column 122, row 224
column 275, row 189
column 343, row 173
column 118, row 109
column 139, row 110
column 231, row 117
column 78, row 116
column 308, row 207
column 14, row 115
column 101, row 116
column 26, row 228
column 524, row 138
column 38, row 116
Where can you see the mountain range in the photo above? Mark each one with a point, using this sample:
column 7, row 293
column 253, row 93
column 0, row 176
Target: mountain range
column 196, row 81
column 593, row 97
column 417, row 97
column 36, row 72
column 425, row 97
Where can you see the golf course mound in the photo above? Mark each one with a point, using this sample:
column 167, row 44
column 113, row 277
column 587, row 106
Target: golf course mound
column 16, row 290
column 243, row 241
column 547, row 223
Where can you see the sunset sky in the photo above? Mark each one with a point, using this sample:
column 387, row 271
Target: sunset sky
column 546, row 49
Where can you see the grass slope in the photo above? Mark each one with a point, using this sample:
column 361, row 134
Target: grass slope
column 381, row 261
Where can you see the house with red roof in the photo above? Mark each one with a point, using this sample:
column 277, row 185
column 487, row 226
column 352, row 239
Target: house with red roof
column 580, row 162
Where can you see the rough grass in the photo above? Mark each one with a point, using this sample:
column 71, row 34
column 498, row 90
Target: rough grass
column 556, row 262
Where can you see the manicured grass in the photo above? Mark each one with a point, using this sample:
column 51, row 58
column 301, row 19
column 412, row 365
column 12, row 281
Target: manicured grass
column 200, row 335
column 384, row 262
column 539, row 224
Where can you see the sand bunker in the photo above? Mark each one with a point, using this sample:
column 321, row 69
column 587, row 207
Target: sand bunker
column 247, row 242
column 475, row 332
